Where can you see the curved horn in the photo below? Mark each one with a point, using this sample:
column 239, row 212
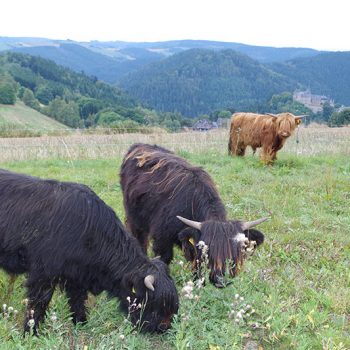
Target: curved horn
column 272, row 115
column 195, row 224
column 149, row 280
column 246, row 225
column 300, row 116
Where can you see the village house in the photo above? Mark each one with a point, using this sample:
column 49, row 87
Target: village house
column 313, row 102
column 204, row 125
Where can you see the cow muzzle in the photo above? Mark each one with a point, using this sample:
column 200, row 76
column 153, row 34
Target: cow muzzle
column 285, row 134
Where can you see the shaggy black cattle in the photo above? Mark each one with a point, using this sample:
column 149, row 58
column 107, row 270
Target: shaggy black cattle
column 62, row 233
column 158, row 187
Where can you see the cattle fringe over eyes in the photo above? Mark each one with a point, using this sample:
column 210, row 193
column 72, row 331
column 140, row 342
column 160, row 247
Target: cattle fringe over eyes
column 62, row 233
column 268, row 131
column 158, row 187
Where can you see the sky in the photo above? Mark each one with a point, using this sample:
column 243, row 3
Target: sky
column 322, row 24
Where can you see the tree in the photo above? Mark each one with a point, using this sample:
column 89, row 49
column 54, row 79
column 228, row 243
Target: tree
column 327, row 111
column 66, row 113
column 340, row 118
column 44, row 94
column 7, row 94
column 29, row 99
column 88, row 106
column 108, row 117
column 284, row 103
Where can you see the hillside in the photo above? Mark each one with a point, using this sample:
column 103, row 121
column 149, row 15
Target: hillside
column 111, row 61
column 21, row 117
column 91, row 62
column 169, row 76
column 71, row 98
column 327, row 74
column 34, row 72
column 75, row 99
column 199, row 81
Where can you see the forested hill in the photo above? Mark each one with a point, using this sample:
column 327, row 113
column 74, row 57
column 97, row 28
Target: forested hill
column 199, row 81
column 82, row 59
column 111, row 60
column 78, row 58
column 69, row 97
column 48, row 80
column 327, row 74
column 74, row 99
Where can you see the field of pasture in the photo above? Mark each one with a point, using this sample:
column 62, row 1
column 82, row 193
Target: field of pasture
column 295, row 289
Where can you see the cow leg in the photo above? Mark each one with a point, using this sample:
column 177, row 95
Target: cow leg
column 140, row 235
column 165, row 251
column 231, row 146
column 39, row 294
column 240, row 149
column 267, row 155
column 77, row 297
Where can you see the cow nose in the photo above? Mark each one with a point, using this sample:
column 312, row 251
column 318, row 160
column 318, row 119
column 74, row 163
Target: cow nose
column 285, row 134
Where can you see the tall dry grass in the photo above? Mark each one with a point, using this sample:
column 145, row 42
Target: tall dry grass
column 306, row 141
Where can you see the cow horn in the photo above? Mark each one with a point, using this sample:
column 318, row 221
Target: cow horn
column 272, row 115
column 246, row 225
column 149, row 280
column 300, row 116
column 195, row 224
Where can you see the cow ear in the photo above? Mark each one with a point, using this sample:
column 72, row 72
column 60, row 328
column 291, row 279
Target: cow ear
column 190, row 235
column 298, row 118
column 188, row 238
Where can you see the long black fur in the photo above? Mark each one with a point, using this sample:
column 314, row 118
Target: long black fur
column 157, row 186
column 62, row 233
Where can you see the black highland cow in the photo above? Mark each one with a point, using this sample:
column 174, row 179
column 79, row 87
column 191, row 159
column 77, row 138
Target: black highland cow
column 62, row 233
column 175, row 203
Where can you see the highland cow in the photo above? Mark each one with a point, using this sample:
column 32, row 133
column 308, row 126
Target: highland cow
column 268, row 131
column 175, row 203
column 62, row 233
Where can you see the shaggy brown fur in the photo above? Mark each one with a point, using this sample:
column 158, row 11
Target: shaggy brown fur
column 159, row 185
column 260, row 130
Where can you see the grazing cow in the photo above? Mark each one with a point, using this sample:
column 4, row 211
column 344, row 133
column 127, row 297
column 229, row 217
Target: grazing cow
column 62, row 233
column 268, row 131
column 175, row 203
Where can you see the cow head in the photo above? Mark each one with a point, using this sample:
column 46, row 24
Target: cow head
column 226, row 242
column 286, row 123
column 149, row 297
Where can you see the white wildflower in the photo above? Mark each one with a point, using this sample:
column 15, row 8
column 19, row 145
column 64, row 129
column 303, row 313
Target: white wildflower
column 31, row 323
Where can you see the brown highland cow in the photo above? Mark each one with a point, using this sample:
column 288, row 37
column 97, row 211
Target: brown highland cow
column 269, row 131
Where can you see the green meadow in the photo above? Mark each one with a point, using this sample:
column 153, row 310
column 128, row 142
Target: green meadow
column 20, row 120
column 294, row 289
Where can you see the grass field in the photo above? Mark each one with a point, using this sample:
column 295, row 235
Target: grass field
column 22, row 119
column 297, row 282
